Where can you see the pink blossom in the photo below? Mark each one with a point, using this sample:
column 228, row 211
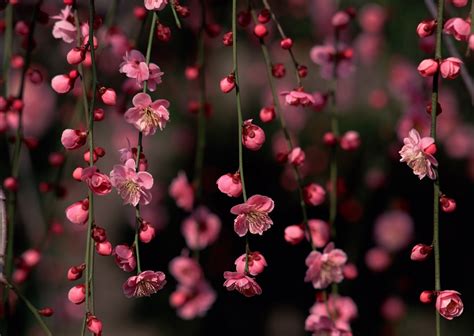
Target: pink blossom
column 64, row 28
column 103, row 248
column 230, row 184
column 319, row 232
column 108, row 96
column 426, row 28
column 350, row 141
column 417, row 153
column 147, row 115
column 201, row 229
column 297, row 156
column 298, row 97
column 428, row 67
column 134, row 66
column 192, row 302
column 377, row 259
column 449, row 304
column 341, row 308
column 459, row 3
column 294, row 234
column 186, row 271
column 340, row 19
column 253, row 136
column 133, row 187
column 62, row 83
column 147, row 232
column 314, row 194
column 30, row 258
column 393, row 230
column 450, row 67
column 94, row 325
column 78, row 212
column 325, row 268
column 182, row 192
column 325, row 56
column 227, row 84
column 155, row 4
column 459, row 28
column 242, row 283
column 144, row 284
column 323, row 326
column 420, row 252
column 99, row 183
column 255, row 260
column 393, row 308
column 154, row 77
column 77, row 294
column 253, row 215
column 72, row 139
column 125, row 258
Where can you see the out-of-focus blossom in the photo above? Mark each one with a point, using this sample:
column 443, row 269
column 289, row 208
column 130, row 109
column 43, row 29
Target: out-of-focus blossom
column 319, row 232
column 125, row 258
column 298, row 97
column 245, row 285
column 64, row 27
column 192, row 302
column 393, row 230
column 314, row 194
column 325, row 268
column 201, row 229
column 155, row 4
column 185, row 270
column 182, row 192
column 393, row 308
column 377, row 259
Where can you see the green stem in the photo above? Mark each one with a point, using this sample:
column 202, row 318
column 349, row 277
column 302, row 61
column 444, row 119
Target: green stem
column 436, row 189
column 7, row 47
column 276, row 103
column 29, row 305
column 175, row 15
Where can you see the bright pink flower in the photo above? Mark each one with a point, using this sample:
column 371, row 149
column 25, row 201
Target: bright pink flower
column 227, row 84
column 314, row 194
column 325, row 268
column 133, row 187
column 154, row 77
column 256, row 263
column 125, row 258
column 450, row 67
column 267, row 114
column 253, row 136
column 72, row 139
column 449, row 304
column 108, row 96
column 94, row 325
column 99, row 183
column 459, row 28
column 186, row 270
column 201, row 229
column 182, row 192
column 192, row 302
column 64, row 28
column 417, row 153
column 296, row 157
column 426, row 28
column 134, row 66
column 144, row 284
column 148, row 115
column 245, row 285
column 76, row 55
column 230, row 184
column 155, row 4
column 147, row 232
column 350, row 141
column 77, row 294
column 294, row 234
column 459, row 3
column 324, row 326
column 298, row 97
column 62, row 83
column 420, row 252
column 253, row 215
column 104, row 248
column 428, row 67
column 320, row 232
column 393, row 230
column 78, row 212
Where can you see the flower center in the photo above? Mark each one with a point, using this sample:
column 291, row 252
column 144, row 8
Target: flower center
column 150, row 117
column 145, row 288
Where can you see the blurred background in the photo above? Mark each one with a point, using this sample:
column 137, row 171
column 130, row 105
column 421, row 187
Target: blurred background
column 383, row 210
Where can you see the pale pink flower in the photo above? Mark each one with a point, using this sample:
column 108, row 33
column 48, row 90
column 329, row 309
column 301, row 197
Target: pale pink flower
column 133, row 187
column 320, row 232
column 428, row 67
column 393, row 230
column 78, row 212
column 298, row 97
column 125, row 258
column 182, row 192
column 154, row 77
column 325, row 268
column 186, row 271
column 64, row 28
column 459, row 28
column 256, row 263
column 350, row 141
column 450, row 67
column 230, row 184
column 72, row 139
column 201, row 229
column 192, row 302
column 134, row 66
column 148, row 115
column 253, row 215
column 62, row 83
column 242, row 283
column 144, row 284
column 155, row 4
column 417, row 153
column 449, row 304
column 342, row 308
column 325, row 56
column 253, row 136
column 99, row 183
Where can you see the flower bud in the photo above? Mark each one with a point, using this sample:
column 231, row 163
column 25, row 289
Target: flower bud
column 420, row 252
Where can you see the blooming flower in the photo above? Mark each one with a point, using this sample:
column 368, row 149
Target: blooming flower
column 194, row 301
column 99, row 183
column 182, row 191
column 64, row 28
column 459, row 28
column 253, row 215
column 144, row 284
column 148, row 115
column 418, row 154
column 325, row 268
column 450, row 67
column 155, row 4
column 242, row 283
column 134, row 66
column 201, row 229
column 449, row 304
column 298, row 97
column 255, row 260
column 133, row 187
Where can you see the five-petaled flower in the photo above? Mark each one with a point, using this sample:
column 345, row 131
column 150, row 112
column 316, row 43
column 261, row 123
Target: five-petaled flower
column 418, row 154
column 148, row 115
column 144, row 284
column 325, row 268
column 253, row 215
